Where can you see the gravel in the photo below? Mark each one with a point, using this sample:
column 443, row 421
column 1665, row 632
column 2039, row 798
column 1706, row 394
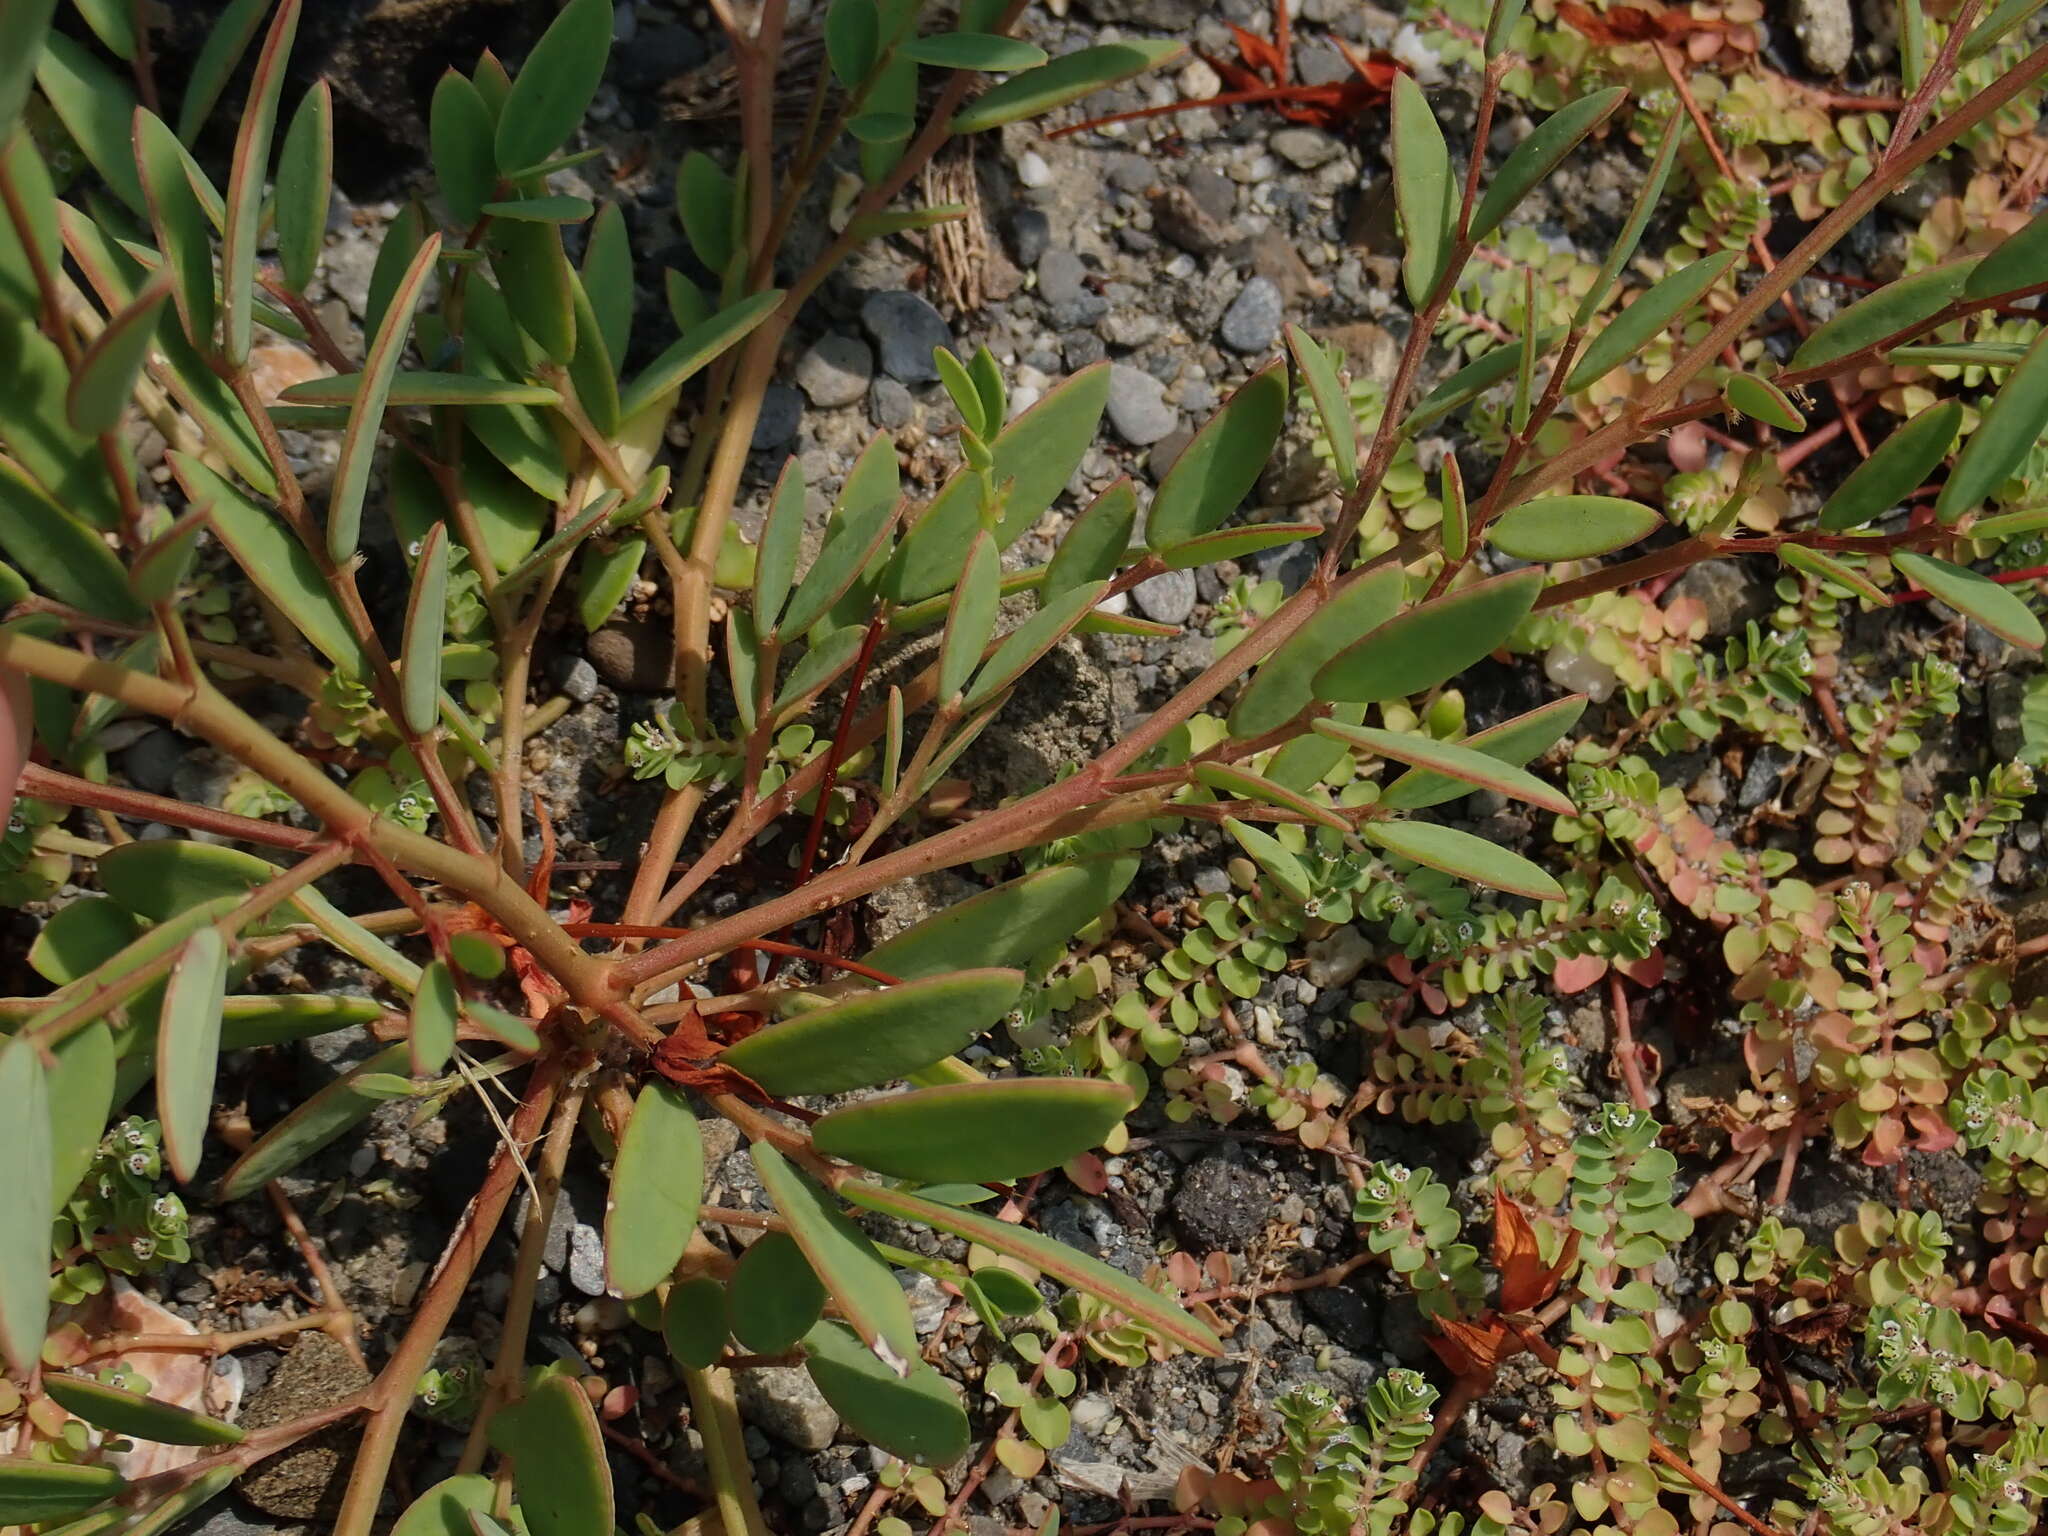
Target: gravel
column 835, row 371
column 906, row 330
column 1137, row 406
column 784, row 1402
column 1252, row 323
column 1167, row 598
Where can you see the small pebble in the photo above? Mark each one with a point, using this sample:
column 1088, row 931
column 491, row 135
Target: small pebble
column 1137, row 406
column 1032, row 170
column 1167, row 598
column 1252, row 322
column 835, row 371
column 906, row 330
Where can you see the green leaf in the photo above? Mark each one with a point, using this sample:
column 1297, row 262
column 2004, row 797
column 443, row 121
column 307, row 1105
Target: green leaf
column 1284, row 685
column 179, row 220
column 104, row 380
column 1457, row 523
column 1467, row 764
column 943, row 1134
column 558, row 1459
column 853, row 39
column 2002, row 18
column 1898, row 466
column 604, row 577
column 1055, row 1260
column 1896, row 307
column 657, row 1190
column 961, row 390
column 59, row 554
column 1066, row 78
column 315, row 1123
column 225, row 45
column 426, row 616
column 986, row 51
column 554, row 86
column 915, row 1415
column 591, row 374
column 608, row 279
column 872, row 1038
column 1428, row 644
column 1228, row 779
column 34, row 1491
column 1463, row 855
column 556, row 208
column 188, row 1047
column 1035, row 456
column 265, row 1020
column 859, row 525
column 39, row 236
column 26, row 1211
column 1022, row 647
column 1425, row 191
column 305, row 182
column 693, row 1321
column 1222, row 462
column 1272, row 856
column 1097, row 542
column 136, row 1415
column 80, row 1084
column 775, row 1297
column 1540, row 153
column 424, row 388
column 1010, row 925
column 705, row 199
column 1997, row 608
column 1762, row 400
column 275, row 561
column 855, row 1274
column 781, row 542
column 250, row 169
column 972, row 618
column 2019, row 261
column 1571, row 527
column 461, row 134
column 696, row 348
column 36, row 428
column 1648, row 317
column 2010, row 428
column 445, row 1508
column 537, row 282
column 1332, row 402
column 96, row 107
column 1648, row 198
column 1514, row 742
column 1473, row 380
column 436, row 1009
column 24, row 23
column 1815, row 562
column 1234, row 543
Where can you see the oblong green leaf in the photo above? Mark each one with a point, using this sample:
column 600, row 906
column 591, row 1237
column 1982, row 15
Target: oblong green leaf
column 424, row 388
column 1896, row 467
column 775, row 1297
column 1009, row 925
column 316, row 1123
column 1997, row 608
column 1653, row 310
column 972, row 618
column 2004, row 437
column 872, row 1038
column 944, row 1134
column 695, row 349
column 608, row 279
column 444, row 1509
column 781, row 542
column 557, row 1450
column 852, row 39
column 24, row 23
column 188, row 1049
column 1764, row 401
column 854, row 1273
column 104, row 380
column 556, row 208
column 1097, row 543
column 1571, row 527
column 1424, row 189
column 554, row 86
column 225, row 45
column 305, row 184
column 1896, row 307
column 1069, row 1267
column 2018, row 261
column 37, row 432
column 1242, row 784
column 1284, row 684
column 1222, row 462
column 860, row 524
column 30, row 236
column 33, row 1490
column 693, row 1322
column 366, row 412
column 436, row 1015
column 656, row 1191
column 1426, row 645
column 1467, row 764
column 1513, row 742
column 26, row 1211
column 1066, row 78
column 1540, row 153
column 251, row 167
column 59, row 554
column 537, row 281
column 426, row 616
column 1649, row 197
column 96, row 106
column 1274, row 857
column 1332, row 402
column 915, row 1415
column 275, row 561
column 137, row 1415
column 80, row 1086
column 987, row 51
column 266, row 1020
column 1022, row 647
column 1814, row 562
column 1473, row 380
column 158, row 878
column 462, row 136
column 1463, row 855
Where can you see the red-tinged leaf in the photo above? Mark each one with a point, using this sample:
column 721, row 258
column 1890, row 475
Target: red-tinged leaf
column 1646, row 972
column 1469, row 1349
column 251, row 168
column 14, row 735
column 1575, row 973
column 1526, row 1282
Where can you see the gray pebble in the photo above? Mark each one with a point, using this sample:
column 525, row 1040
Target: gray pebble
column 890, row 404
column 835, row 371
column 783, row 1402
column 1252, row 322
column 1167, row 598
column 782, row 413
column 577, row 678
column 1060, row 277
column 1030, row 234
column 1826, row 30
column 1137, row 406
column 152, row 759
column 1306, row 148
column 906, row 330
column 586, row 1260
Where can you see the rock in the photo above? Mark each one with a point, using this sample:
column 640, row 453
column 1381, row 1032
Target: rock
column 906, row 330
column 928, row 1303
column 304, row 1482
column 1252, row 322
column 275, row 366
column 586, row 1259
column 634, row 656
column 1731, row 596
column 227, row 1522
column 782, row 413
column 1826, row 30
column 1305, row 148
column 1061, row 277
column 658, row 56
column 835, row 371
column 1164, row 15
column 152, row 759
column 1032, row 171
column 1336, row 959
column 1214, row 193
column 1167, row 598
column 2005, row 696
column 1220, row 1205
column 1030, row 232
column 1341, row 1313
column 1137, row 406
column 890, row 404
column 576, row 677
column 783, row 1402
column 1182, row 220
